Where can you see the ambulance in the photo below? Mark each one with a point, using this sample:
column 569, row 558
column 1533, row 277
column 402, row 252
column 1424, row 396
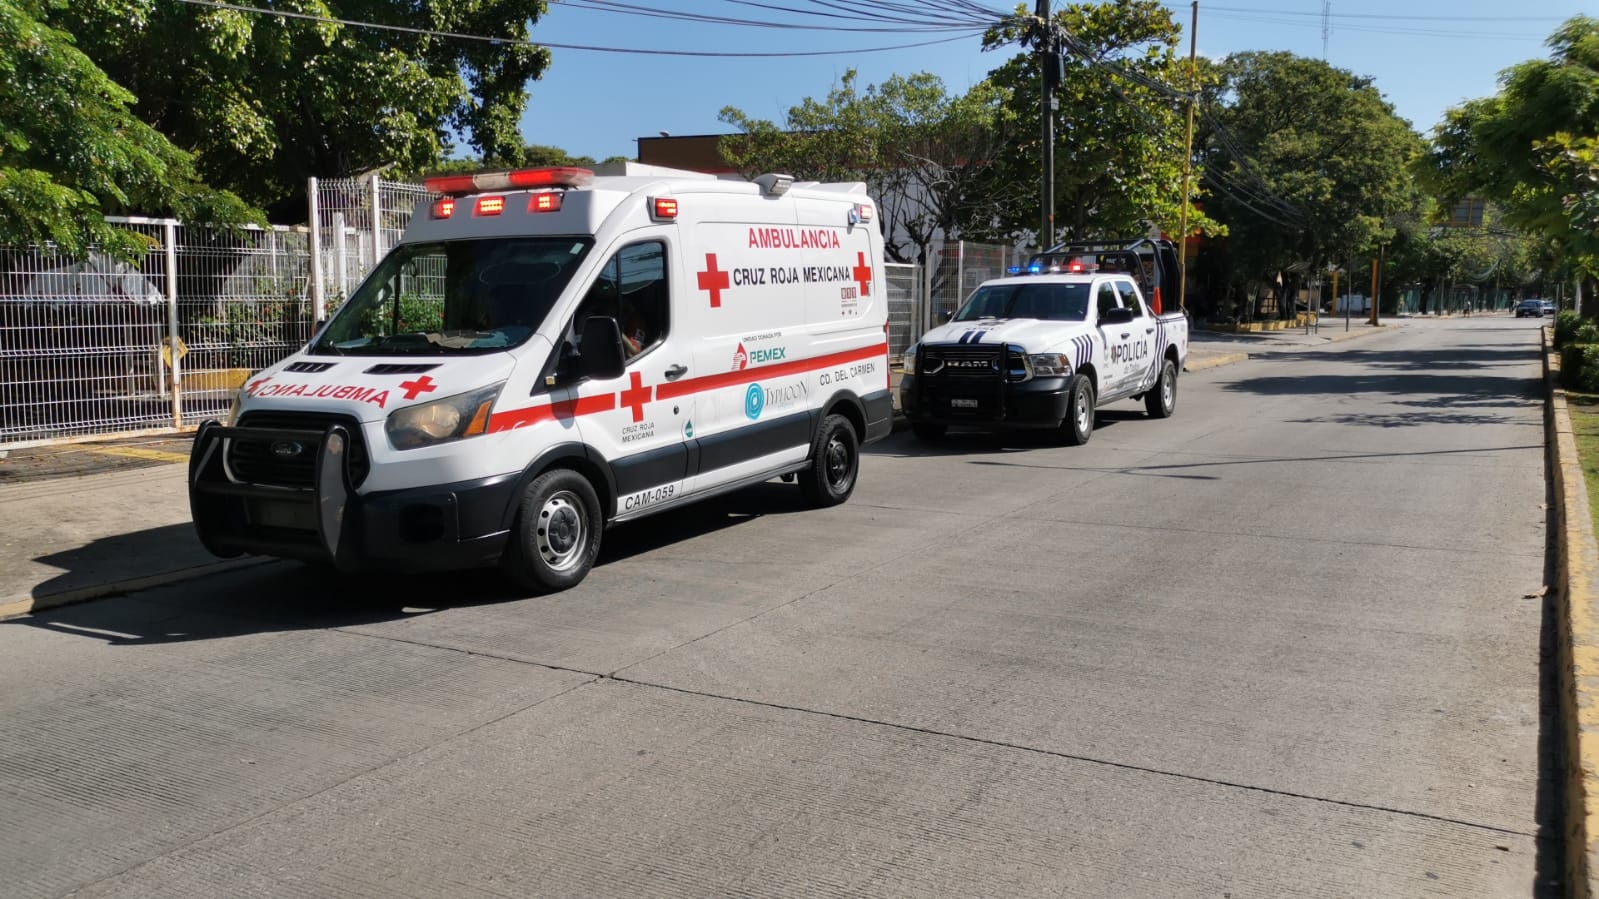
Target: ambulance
column 548, row 352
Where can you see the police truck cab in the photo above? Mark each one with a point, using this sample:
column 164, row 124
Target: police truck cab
column 546, row 353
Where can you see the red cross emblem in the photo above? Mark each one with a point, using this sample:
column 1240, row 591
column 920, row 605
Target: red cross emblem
column 636, row 396
column 716, row 281
column 421, row 385
column 863, row 274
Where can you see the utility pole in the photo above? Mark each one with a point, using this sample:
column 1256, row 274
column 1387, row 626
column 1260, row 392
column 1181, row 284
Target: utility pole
column 1376, row 282
column 1188, row 163
column 1049, row 71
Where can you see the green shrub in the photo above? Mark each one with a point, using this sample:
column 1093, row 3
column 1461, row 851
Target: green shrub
column 1587, row 332
column 1579, row 367
column 1566, row 324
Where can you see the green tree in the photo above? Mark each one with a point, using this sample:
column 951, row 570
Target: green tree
column 1119, row 129
column 922, row 153
column 1529, row 148
column 1308, row 164
column 71, row 149
column 264, row 101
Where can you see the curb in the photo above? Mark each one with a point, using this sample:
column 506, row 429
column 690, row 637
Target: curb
column 23, row 604
column 1577, row 639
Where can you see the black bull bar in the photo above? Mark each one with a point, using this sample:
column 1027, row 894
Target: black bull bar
column 307, row 523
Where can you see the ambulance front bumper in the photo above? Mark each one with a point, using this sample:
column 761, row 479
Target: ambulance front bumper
column 315, row 514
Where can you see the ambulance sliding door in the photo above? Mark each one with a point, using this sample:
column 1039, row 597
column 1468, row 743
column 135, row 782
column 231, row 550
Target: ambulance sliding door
column 743, row 271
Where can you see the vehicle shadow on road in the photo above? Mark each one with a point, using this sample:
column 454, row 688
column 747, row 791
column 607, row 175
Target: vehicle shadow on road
column 905, row 445
column 270, row 597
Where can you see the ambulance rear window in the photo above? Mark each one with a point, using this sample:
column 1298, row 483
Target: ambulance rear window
column 454, row 297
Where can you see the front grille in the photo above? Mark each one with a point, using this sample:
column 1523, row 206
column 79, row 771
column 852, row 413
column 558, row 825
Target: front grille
column 256, row 462
column 971, row 363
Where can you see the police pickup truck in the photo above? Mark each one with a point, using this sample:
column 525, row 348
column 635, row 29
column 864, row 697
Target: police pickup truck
column 1045, row 348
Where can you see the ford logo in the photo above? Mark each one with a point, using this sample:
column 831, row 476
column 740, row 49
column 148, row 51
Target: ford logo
column 287, row 449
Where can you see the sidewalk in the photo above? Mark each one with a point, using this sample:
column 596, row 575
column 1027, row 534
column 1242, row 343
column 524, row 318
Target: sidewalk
column 83, row 536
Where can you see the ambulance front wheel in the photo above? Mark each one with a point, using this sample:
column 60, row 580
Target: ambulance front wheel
column 557, row 533
column 835, row 462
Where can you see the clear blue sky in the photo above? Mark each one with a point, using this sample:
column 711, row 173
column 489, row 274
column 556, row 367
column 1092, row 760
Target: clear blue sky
column 1425, row 56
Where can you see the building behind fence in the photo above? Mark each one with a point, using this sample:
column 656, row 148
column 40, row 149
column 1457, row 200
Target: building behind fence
column 97, row 347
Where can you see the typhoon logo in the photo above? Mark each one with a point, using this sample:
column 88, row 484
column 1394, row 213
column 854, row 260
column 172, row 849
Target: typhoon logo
column 754, row 401
column 740, row 358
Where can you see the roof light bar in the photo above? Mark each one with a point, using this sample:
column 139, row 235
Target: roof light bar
column 517, row 179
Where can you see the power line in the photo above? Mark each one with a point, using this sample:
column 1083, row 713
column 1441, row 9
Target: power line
column 522, row 42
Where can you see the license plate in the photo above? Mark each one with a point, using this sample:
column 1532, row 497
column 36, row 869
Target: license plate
column 296, row 516
column 963, row 404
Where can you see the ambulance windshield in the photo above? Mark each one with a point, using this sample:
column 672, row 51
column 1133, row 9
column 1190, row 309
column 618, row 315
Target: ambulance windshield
column 1037, row 300
column 454, row 297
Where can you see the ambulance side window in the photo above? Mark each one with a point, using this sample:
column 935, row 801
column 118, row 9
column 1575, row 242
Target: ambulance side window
column 631, row 288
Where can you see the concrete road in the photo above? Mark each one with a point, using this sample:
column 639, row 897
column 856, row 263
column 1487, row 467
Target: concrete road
column 1286, row 643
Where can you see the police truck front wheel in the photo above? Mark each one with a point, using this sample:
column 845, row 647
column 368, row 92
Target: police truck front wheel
column 1161, row 400
column 557, row 533
column 1078, row 425
column 835, row 461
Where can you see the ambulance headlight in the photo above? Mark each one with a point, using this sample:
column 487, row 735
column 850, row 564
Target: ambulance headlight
column 1046, row 365
column 442, row 420
column 908, row 361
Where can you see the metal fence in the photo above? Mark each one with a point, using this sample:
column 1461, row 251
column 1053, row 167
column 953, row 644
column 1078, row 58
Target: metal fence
column 357, row 220
column 98, row 347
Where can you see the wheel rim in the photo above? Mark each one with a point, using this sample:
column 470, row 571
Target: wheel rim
column 1083, row 411
column 562, row 532
column 839, row 472
column 1168, row 387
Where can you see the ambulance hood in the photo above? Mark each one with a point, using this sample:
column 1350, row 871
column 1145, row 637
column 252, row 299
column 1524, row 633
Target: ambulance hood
column 369, row 387
column 1031, row 334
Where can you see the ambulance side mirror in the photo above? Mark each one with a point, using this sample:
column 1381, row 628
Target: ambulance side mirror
column 599, row 349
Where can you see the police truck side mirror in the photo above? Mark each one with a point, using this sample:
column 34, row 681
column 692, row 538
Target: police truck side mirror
column 599, row 349
column 1118, row 316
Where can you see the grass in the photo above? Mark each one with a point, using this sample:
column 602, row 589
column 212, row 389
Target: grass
column 1584, row 409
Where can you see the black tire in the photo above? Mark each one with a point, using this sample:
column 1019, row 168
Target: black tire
column 1078, row 425
column 556, row 536
column 835, row 464
column 928, row 431
column 1161, row 400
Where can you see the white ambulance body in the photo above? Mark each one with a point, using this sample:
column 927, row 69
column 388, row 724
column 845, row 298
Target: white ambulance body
column 547, row 352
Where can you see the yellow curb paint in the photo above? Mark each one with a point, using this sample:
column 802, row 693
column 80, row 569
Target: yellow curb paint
column 134, row 452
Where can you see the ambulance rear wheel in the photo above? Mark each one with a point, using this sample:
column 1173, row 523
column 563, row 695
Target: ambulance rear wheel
column 1079, row 423
column 557, row 533
column 1161, row 400
column 835, row 462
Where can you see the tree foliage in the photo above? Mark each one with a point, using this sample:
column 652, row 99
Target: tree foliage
column 1119, row 144
column 922, row 153
column 1530, row 147
column 266, row 101
column 1308, row 162
column 71, row 149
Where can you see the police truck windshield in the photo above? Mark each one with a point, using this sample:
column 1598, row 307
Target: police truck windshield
column 454, row 297
column 1036, row 300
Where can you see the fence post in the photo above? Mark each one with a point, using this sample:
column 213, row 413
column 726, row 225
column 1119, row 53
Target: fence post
column 319, row 303
column 377, row 220
column 339, row 250
column 171, row 240
column 960, row 271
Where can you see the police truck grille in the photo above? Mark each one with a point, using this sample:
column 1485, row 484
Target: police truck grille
column 970, row 363
column 259, row 462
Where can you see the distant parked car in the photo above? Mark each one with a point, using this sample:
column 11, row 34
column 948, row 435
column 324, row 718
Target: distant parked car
column 1548, row 307
column 1530, row 308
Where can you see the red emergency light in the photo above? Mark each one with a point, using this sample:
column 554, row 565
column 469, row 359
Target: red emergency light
column 663, row 209
column 544, row 202
column 517, row 179
column 444, row 208
column 489, row 206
